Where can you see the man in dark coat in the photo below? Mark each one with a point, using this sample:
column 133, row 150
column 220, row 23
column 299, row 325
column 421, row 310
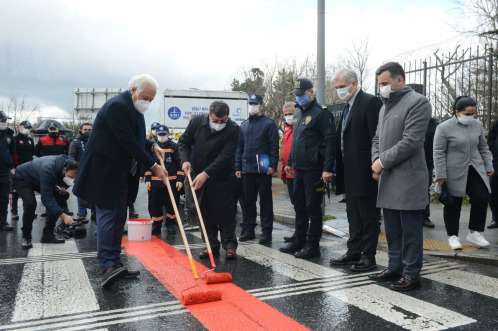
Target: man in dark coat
column 215, row 138
column 425, row 214
column 116, row 147
column 312, row 158
column 7, row 150
column 353, row 170
column 493, row 181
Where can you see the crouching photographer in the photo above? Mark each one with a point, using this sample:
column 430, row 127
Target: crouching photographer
column 46, row 175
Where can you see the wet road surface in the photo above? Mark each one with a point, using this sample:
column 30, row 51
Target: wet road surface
column 57, row 287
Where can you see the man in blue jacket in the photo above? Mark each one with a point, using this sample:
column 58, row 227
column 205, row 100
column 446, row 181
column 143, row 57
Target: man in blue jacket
column 46, row 175
column 258, row 142
column 7, row 150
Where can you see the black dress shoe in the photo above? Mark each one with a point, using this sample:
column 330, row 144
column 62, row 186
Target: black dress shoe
column 26, row 243
column 308, row 252
column 405, row 283
column 111, row 275
column 51, row 239
column 247, row 235
column 6, row 227
column 364, row 265
column 292, row 247
column 132, row 213
column 291, row 238
column 265, row 238
column 385, row 276
column 493, row 225
column 428, row 223
column 345, row 260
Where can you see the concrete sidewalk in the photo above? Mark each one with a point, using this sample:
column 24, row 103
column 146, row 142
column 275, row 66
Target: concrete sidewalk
column 435, row 239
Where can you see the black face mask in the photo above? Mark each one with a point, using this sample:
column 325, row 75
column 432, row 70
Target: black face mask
column 53, row 134
column 85, row 134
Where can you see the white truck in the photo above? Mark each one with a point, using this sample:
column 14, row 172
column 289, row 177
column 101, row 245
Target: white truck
column 178, row 105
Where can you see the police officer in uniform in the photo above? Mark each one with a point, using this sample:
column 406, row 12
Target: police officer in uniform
column 7, row 150
column 25, row 149
column 312, row 158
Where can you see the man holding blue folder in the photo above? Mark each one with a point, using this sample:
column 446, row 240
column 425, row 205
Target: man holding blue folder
column 255, row 162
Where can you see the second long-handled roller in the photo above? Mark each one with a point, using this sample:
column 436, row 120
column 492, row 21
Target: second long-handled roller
column 193, row 296
column 210, row 278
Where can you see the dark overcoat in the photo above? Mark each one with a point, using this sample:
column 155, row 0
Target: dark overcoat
column 108, row 155
column 214, row 153
column 353, row 171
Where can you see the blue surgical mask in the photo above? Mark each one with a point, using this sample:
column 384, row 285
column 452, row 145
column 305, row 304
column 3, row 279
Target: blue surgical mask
column 303, row 100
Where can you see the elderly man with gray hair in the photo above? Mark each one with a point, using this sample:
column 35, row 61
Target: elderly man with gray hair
column 353, row 170
column 115, row 149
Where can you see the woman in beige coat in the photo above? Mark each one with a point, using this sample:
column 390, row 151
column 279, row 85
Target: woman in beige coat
column 463, row 162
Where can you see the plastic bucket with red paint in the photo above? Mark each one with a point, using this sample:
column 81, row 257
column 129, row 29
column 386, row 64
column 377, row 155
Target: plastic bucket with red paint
column 139, row 229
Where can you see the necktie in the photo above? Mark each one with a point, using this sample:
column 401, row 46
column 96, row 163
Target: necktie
column 344, row 120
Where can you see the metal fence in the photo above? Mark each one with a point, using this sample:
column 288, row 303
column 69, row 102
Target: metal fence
column 444, row 77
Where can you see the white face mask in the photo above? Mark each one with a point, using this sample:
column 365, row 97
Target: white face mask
column 219, row 126
column 289, row 119
column 154, row 132
column 385, row 91
column 3, row 126
column 25, row 132
column 142, row 106
column 344, row 93
column 465, row 120
column 253, row 109
column 162, row 139
column 68, row 180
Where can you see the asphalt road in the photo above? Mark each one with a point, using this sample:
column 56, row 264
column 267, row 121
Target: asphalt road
column 57, row 287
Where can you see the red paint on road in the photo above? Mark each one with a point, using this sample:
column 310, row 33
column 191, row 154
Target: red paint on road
column 237, row 310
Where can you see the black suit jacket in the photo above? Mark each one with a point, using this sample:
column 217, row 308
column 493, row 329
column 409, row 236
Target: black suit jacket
column 353, row 171
column 112, row 146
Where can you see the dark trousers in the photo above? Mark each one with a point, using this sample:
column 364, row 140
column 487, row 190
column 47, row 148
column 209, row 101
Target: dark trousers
column 254, row 184
column 133, row 182
column 290, row 189
column 159, row 199
column 4, row 197
column 479, row 197
column 363, row 226
column 240, row 198
column 227, row 235
column 493, row 197
column 27, row 193
column 308, row 206
column 110, row 225
column 404, row 233
column 426, row 213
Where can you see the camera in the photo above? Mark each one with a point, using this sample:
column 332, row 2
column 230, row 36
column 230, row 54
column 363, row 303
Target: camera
column 77, row 230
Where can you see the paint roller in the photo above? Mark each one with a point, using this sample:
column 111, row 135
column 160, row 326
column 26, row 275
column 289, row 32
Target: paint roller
column 192, row 295
column 209, row 278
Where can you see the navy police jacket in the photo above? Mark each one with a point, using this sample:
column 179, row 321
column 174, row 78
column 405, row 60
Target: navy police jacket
column 7, row 150
column 257, row 135
column 313, row 144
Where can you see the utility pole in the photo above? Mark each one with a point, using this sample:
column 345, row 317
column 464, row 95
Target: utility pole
column 320, row 58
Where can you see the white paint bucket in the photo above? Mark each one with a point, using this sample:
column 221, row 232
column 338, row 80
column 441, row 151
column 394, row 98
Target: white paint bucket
column 139, row 229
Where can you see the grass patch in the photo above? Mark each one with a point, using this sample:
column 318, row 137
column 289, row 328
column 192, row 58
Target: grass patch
column 327, row 217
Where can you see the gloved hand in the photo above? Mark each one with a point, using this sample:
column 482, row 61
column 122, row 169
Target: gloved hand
column 147, row 184
column 179, row 186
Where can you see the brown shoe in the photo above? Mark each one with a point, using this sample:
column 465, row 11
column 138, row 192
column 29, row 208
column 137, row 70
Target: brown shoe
column 231, row 254
column 205, row 254
column 405, row 283
column 385, row 276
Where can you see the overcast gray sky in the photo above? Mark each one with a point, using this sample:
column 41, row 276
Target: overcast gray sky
column 50, row 47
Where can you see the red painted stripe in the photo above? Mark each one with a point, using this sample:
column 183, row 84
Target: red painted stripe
column 237, row 310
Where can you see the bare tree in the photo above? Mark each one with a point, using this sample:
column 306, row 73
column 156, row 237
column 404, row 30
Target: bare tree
column 19, row 110
column 357, row 60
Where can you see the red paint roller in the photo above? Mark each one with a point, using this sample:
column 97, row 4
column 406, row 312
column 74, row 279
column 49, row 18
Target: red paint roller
column 210, row 278
column 191, row 295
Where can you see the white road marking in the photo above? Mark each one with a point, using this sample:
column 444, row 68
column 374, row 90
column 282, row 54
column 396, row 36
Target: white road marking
column 49, row 288
column 400, row 309
column 469, row 281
